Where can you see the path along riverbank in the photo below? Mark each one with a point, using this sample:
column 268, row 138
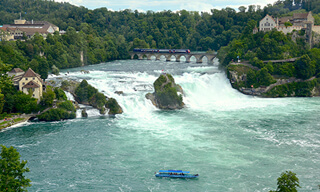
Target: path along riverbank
column 16, row 119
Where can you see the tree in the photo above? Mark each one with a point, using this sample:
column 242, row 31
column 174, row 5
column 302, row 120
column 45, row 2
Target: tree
column 264, row 77
column 1, row 101
column 55, row 70
column 12, row 170
column 48, row 97
column 287, row 24
column 287, row 182
column 304, row 67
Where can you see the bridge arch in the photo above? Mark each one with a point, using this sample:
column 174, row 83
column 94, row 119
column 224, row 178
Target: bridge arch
column 198, row 56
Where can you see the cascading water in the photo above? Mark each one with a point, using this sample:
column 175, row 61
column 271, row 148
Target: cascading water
column 234, row 141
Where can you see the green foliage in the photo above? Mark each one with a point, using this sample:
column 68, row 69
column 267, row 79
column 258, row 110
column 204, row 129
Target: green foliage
column 113, row 106
column 257, row 62
column 60, row 94
column 165, row 92
column 304, row 67
column 56, row 115
column 298, row 89
column 138, row 43
column 271, row 45
column 285, row 69
column 98, row 100
column 158, row 83
column 287, row 24
column 55, row 70
column 85, row 91
column 65, row 84
column 2, row 101
column 287, row 182
column 67, row 105
column 251, row 78
column 12, row 171
column 264, row 77
column 314, row 55
column 23, row 103
column 47, row 97
column 168, row 96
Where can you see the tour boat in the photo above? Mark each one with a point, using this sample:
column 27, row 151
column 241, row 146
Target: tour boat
column 176, row 174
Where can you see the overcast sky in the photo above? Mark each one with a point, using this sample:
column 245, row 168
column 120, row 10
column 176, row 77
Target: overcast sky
column 160, row 5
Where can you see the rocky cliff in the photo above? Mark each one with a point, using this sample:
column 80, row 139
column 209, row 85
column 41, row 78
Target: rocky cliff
column 283, row 87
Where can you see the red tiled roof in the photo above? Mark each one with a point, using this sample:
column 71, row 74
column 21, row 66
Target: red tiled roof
column 31, row 84
column 300, row 15
column 30, row 73
column 284, row 19
column 30, row 31
column 3, row 28
column 270, row 17
column 16, row 70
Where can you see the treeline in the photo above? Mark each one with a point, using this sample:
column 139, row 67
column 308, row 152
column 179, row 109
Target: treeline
column 63, row 51
column 166, row 29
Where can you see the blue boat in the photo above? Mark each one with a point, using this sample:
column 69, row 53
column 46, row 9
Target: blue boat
column 176, row 174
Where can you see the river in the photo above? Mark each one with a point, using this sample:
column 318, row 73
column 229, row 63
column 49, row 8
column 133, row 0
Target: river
column 233, row 141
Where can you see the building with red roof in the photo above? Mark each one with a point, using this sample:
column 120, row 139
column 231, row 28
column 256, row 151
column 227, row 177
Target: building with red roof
column 28, row 82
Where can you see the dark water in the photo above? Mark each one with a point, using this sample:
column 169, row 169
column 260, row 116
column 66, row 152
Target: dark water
column 234, row 142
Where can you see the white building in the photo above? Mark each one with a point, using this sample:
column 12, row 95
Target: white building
column 267, row 23
column 298, row 20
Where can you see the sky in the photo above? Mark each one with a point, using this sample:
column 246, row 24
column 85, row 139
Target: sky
column 173, row 5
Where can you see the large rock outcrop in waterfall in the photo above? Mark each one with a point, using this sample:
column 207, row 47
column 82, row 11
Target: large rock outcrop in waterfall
column 166, row 93
column 88, row 95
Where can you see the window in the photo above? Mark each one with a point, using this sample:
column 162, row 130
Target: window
column 34, row 78
column 22, row 83
column 26, row 78
column 33, row 95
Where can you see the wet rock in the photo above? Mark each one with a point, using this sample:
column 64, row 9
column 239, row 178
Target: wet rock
column 166, row 93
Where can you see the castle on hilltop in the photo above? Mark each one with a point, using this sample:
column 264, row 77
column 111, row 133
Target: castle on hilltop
column 299, row 21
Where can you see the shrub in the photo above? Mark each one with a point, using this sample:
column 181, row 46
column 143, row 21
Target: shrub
column 56, row 115
column 67, row 105
column 60, row 94
column 113, row 106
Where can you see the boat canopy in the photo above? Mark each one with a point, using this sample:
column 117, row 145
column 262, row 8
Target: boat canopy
column 173, row 171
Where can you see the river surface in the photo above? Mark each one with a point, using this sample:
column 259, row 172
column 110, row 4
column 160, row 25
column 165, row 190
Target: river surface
column 233, row 141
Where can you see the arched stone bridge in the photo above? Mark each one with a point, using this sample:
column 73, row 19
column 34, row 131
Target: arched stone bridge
column 198, row 56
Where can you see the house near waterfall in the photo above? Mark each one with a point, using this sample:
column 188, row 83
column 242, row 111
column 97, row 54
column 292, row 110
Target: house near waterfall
column 28, row 82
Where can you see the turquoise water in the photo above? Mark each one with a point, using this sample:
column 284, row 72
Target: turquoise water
column 233, row 141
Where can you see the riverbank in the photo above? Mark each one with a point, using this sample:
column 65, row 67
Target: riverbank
column 8, row 122
column 282, row 87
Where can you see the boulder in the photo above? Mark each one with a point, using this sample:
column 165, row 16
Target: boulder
column 84, row 113
column 119, row 92
column 167, row 94
column 113, row 106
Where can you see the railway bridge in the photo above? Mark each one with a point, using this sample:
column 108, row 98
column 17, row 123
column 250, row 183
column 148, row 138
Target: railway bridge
column 187, row 56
